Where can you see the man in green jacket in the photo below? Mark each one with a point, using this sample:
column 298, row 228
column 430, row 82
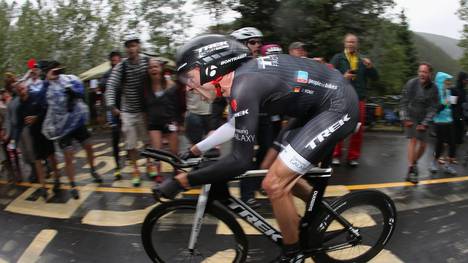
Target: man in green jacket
column 357, row 69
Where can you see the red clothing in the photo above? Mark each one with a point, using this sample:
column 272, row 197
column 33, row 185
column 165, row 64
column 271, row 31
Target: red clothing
column 355, row 141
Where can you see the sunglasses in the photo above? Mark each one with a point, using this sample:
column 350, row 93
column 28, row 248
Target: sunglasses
column 253, row 42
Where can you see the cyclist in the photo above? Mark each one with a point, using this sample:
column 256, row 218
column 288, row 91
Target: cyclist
column 324, row 104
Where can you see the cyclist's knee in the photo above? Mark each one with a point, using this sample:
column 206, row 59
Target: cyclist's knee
column 273, row 186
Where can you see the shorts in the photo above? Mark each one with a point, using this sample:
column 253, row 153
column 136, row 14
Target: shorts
column 411, row 132
column 134, row 129
column 163, row 127
column 42, row 147
column 80, row 134
column 308, row 144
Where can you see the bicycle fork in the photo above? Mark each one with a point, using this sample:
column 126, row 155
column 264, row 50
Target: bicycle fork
column 198, row 219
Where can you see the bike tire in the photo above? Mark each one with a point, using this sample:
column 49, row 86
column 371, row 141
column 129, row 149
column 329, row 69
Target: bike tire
column 213, row 211
column 363, row 202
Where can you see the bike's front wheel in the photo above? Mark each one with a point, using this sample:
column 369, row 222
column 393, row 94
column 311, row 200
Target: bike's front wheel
column 372, row 216
column 167, row 228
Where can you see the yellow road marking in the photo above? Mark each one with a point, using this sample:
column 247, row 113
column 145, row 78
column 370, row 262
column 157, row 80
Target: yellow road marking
column 115, row 218
column 337, row 188
column 37, row 246
column 41, row 208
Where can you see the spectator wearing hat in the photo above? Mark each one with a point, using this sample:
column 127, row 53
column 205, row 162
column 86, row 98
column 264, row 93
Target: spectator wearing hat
column 297, row 49
column 127, row 82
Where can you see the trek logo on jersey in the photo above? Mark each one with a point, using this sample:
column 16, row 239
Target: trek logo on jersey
column 234, row 105
column 302, row 77
column 244, row 136
column 327, row 132
column 205, row 50
column 241, row 113
column 268, row 61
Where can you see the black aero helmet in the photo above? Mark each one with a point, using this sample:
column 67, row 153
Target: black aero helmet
column 216, row 55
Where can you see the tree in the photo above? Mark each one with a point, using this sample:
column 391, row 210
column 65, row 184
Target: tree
column 463, row 14
column 217, row 9
column 166, row 23
column 405, row 39
column 5, row 31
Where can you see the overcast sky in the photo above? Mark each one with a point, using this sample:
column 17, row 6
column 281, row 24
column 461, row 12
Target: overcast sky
column 430, row 16
column 433, row 16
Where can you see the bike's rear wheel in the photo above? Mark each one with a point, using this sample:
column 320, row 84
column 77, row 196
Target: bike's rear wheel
column 167, row 228
column 372, row 213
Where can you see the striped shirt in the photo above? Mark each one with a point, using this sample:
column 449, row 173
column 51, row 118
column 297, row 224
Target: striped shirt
column 131, row 88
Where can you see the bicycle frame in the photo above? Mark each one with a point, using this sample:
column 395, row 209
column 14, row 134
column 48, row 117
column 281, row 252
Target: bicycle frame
column 220, row 192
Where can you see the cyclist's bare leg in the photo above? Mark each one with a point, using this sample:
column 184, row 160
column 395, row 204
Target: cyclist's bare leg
column 302, row 189
column 278, row 184
column 270, row 157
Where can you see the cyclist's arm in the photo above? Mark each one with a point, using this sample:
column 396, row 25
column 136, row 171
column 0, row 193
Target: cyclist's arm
column 240, row 159
column 221, row 135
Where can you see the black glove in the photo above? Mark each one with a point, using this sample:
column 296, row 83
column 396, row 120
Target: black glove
column 186, row 154
column 167, row 189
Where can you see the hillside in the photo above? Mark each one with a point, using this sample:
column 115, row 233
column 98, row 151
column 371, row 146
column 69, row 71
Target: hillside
column 447, row 44
column 432, row 53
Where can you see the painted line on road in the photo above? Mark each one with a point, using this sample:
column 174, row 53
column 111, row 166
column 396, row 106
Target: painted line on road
column 197, row 191
column 37, row 246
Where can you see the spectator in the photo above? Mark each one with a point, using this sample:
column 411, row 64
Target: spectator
column 127, row 82
column 66, row 118
column 115, row 57
column 357, row 69
column 444, row 127
column 162, row 108
column 296, row 49
column 457, row 109
column 9, row 79
column 9, row 145
column 271, row 49
column 251, row 37
column 31, row 112
column 418, row 105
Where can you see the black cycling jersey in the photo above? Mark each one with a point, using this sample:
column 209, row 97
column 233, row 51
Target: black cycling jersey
column 295, row 87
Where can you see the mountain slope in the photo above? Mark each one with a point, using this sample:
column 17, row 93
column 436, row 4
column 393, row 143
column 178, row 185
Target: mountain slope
column 432, row 53
column 447, row 44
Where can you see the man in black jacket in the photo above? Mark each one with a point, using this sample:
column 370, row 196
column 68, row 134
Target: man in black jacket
column 418, row 105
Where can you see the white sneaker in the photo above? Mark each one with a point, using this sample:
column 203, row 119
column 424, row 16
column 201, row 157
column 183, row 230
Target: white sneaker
column 353, row 163
column 336, row 161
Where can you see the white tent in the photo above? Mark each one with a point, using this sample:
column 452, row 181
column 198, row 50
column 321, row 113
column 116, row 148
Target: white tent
column 96, row 72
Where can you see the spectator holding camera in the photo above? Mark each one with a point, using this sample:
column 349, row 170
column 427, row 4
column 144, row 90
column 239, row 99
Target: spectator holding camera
column 357, row 70
column 66, row 118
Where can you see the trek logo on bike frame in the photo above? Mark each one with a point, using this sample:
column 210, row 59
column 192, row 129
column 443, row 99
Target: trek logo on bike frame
column 255, row 220
column 327, row 132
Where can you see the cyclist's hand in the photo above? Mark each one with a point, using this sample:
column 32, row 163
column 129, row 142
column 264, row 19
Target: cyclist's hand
column 167, row 189
column 187, row 154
